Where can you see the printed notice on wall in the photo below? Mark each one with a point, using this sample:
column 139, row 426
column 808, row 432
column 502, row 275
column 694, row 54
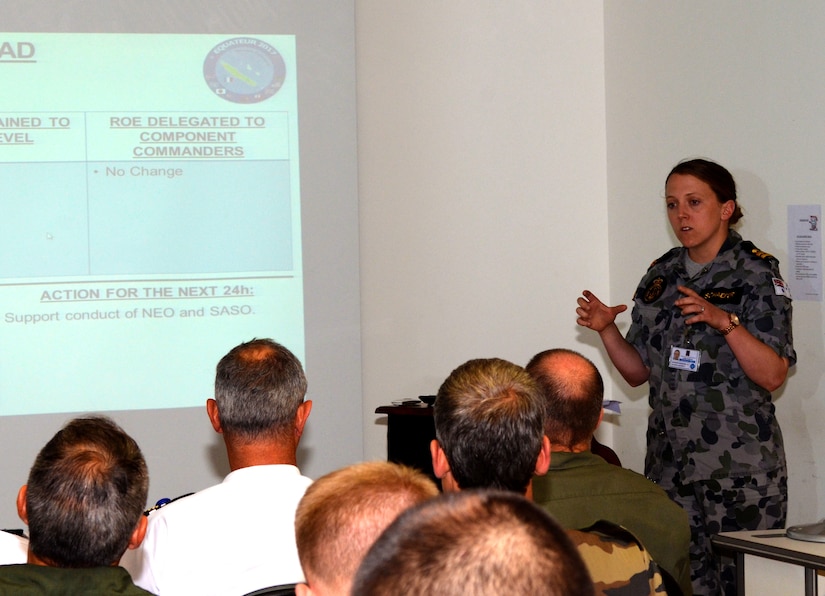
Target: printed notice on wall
column 805, row 250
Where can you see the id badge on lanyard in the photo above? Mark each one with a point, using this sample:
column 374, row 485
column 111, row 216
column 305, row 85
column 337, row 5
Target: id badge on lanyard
column 684, row 358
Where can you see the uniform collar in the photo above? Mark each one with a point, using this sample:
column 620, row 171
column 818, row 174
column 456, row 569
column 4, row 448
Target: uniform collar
column 730, row 242
column 560, row 460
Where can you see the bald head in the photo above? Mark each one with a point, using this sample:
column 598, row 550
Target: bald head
column 573, row 392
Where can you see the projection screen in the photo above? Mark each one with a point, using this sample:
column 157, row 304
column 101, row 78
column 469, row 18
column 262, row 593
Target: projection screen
column 176, row 178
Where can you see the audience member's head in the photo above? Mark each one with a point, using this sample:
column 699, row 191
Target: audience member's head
column 489, row 428
column 85, row 496
column 342, row 514
column 573, row 393
column 473, row 542
column 259, row 397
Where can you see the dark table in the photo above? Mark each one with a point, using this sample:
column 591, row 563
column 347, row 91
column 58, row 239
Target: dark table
column 410, row 429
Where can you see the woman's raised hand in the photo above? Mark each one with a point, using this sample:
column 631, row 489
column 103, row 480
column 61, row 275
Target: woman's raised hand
column 594, row 314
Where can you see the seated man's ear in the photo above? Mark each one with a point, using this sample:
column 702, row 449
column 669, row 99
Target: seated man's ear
column 214, row 415
column 441, row 467
column 543, row 460
column 21, row 505
column 140, row 531
column 601, row 417
column 303, row 590
column 301, row 417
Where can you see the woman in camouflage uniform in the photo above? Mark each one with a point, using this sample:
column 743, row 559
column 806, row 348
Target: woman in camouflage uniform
column 711, row 334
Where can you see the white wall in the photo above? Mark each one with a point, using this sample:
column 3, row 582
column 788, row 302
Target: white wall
column 741, row 83
column 481, row 185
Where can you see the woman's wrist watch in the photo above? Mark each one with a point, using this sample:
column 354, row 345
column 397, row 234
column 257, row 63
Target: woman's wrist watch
column 734, row 323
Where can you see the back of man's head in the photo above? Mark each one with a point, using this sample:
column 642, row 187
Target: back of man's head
column 85, row 495
column 259, row 386
column 573, row 393
column 342, row 514
column 473, row 542
column 489, row 421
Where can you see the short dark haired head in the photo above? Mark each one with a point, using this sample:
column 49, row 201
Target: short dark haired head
column 258, row 388
column 489, row 420
column 85, row 494
column 719, row 179
column 573, row 392
column 473, row 542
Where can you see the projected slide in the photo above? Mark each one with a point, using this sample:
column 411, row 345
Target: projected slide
column 151, row 214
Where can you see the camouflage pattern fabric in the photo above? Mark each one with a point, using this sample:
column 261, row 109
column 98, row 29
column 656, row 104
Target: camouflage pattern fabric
column 581, row 489
column 713, row 423
column 728, row 505
column 618, row 563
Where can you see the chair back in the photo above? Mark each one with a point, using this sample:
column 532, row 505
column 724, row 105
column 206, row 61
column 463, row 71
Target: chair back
column 282, row 590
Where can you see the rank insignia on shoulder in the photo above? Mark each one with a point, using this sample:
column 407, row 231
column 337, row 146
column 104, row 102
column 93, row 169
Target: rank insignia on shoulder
column 654, row 289
column 163, row 503
column 759, row 254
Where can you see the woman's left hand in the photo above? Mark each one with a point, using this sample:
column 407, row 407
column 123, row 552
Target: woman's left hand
column 700, row 310
column 759, row 361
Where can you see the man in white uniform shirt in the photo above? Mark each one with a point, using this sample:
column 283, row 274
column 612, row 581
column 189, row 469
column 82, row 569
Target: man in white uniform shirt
column 13, row 548
column 238, row 536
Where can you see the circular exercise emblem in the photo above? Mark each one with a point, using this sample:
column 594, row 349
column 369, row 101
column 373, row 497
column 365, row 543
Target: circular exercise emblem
column 244, row 70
